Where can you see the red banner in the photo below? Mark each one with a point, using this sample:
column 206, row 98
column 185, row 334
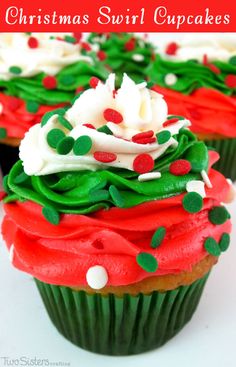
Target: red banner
column 118, row 16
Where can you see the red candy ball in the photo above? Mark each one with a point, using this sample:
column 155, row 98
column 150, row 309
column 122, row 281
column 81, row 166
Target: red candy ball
column 33, row 42
column 172, row 48
column 101, row 55
column 49, row 82
column 230, row 81
column 94, row 82
column 130, row 45
column 180, row 167
column 143, row 163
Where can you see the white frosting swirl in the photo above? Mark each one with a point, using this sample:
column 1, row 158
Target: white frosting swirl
column 142, row 110
column 50, row 56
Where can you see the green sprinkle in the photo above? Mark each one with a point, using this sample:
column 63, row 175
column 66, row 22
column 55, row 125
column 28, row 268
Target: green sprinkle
column 64, row 122
column 224, row 242
column 158, row 237
column 212, row 247
column 65, row 145
column 105, row 129
column 15, row 70
column 51, row 215
column 218, row 215
column 32, row 106
column 70, row 39
column 54, row 137
column 116, row 196
column 22, row 177
column 175, row 117
column 163, row 136
column 98, row 195
column 192, row 202
column 67, row 79
column 3, row 133
column 232, row 60
column 48, row 115
column 147, row 262
column 82, row 145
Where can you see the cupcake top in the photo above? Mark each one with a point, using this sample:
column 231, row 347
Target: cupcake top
column 113, row 190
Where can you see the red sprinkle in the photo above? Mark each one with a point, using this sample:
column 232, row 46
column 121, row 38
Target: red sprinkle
column 49, row 82
column 105, row 157
column 170, row 122
column 146, row 140
column 171, row 48
column 33, row 42
column 143, row 163
column 90, row 126
column 205, row 60
column 94, row 82
column 214, row 68
column 114, row 93
column 143, row 135
column 130, row 45
column 180, row 167
column 111, row 115
column 13, row 103
column 230, row 81
column 101, row 55
column 78, row 36
column 79, row 89
column 86, row 46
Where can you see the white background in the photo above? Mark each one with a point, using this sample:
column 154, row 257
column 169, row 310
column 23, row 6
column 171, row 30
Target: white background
column 208, row 340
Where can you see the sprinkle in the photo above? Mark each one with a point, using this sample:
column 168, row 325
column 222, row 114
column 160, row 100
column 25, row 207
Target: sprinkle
column 54, row 137
column 97, row 277
column 206, row 179
column 146, row 141
column 86, row 46
column 143, row 163
column 149, row 176
column 163, row 137
column 49, row 82
column 138, row 57
column 105, row 157
column 101, row 55
column 170, row 79
column 48, row 115
column 116, row 196
column 205, row 60
column 212, row 247
column 158, row 237
column 170, row 122
column 214, row 69
column 64, row 122
column 218, row 215
column 90, row 126
column 3, row 133
column 65, row 145
column 33, row 42
column 130, row 45
column 105, row 129
column 11, row 253
column 67, row 79
column 175, row 117
column 51, row 215
column 111, row 115
column 171, row 48
column 32, row 106
column 180, row 167
column 78, row 36
column 224, row 242
column 196, row 186
column 70, row 39
column 15, row 70
column 232, row 60
column 98, row 195
column 143, row 135
column 94, row 82
column 79, row 90
column 13, row 103
column 192, row 202
column 147, row 262
column 21, row 178
column 230, row 81
column 82, row 145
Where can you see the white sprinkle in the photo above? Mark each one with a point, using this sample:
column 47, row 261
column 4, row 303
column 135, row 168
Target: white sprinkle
column 1, row 108
column 230, row 182
column 11, row 253
column 196, row 186
column 206, row 179
column 138, row 57
column 170, row 79
column 149, row 176
column 97, row 277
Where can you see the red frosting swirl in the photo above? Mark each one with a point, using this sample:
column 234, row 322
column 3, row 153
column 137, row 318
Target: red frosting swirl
column 210, row 111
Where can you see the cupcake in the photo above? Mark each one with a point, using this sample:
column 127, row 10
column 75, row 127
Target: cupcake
column 124, row 52
column 115, row 210
column 47, row 73
column 197, row 77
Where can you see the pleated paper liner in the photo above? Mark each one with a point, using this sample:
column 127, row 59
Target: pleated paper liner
column 113, row 325
column 227, row 150
column 8, row 156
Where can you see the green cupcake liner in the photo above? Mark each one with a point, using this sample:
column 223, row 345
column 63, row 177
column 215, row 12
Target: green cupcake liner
column 126, row 325
column 227, row 162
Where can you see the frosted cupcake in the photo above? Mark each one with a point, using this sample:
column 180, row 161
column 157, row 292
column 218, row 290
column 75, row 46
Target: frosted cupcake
column 197, row 76
column 115, row 210
column 46, row 74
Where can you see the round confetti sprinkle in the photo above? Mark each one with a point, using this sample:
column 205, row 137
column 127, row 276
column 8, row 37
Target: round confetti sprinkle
column 49, row 82
column 218, row 215
column 143, row 163
column 96, row 196
column 143, row 135
column 67, row 79
column 158, row 237
column 171, row 48
column 230, row 81
column 86, row 46
column 54, row 136
column 163, row 136
column 212, row 247
column 138, row 57
column 94, row 82
column 32, row 106
column 48, row 115
column 97, row 277
column 3, row 133
column 65, row 145
column 130, row 45
column 170, row 122
column 105, row 129
column 111, row 115
column 82, row 145
column 64, row 122
column 170, row 79
column 192, row 202
column 15, row 70
column 180, row 167
column 147, row 262
column 51, row 215
column 33, row 42
column 105, row 157
column 78, row 36
column 101, row 55
column 70, row 39
column 224, row 242
column 232, row 60
column 146, row 140
column 116, row 196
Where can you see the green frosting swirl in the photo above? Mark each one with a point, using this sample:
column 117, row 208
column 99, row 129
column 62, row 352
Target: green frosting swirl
column 191, row 75
column 85, row 192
